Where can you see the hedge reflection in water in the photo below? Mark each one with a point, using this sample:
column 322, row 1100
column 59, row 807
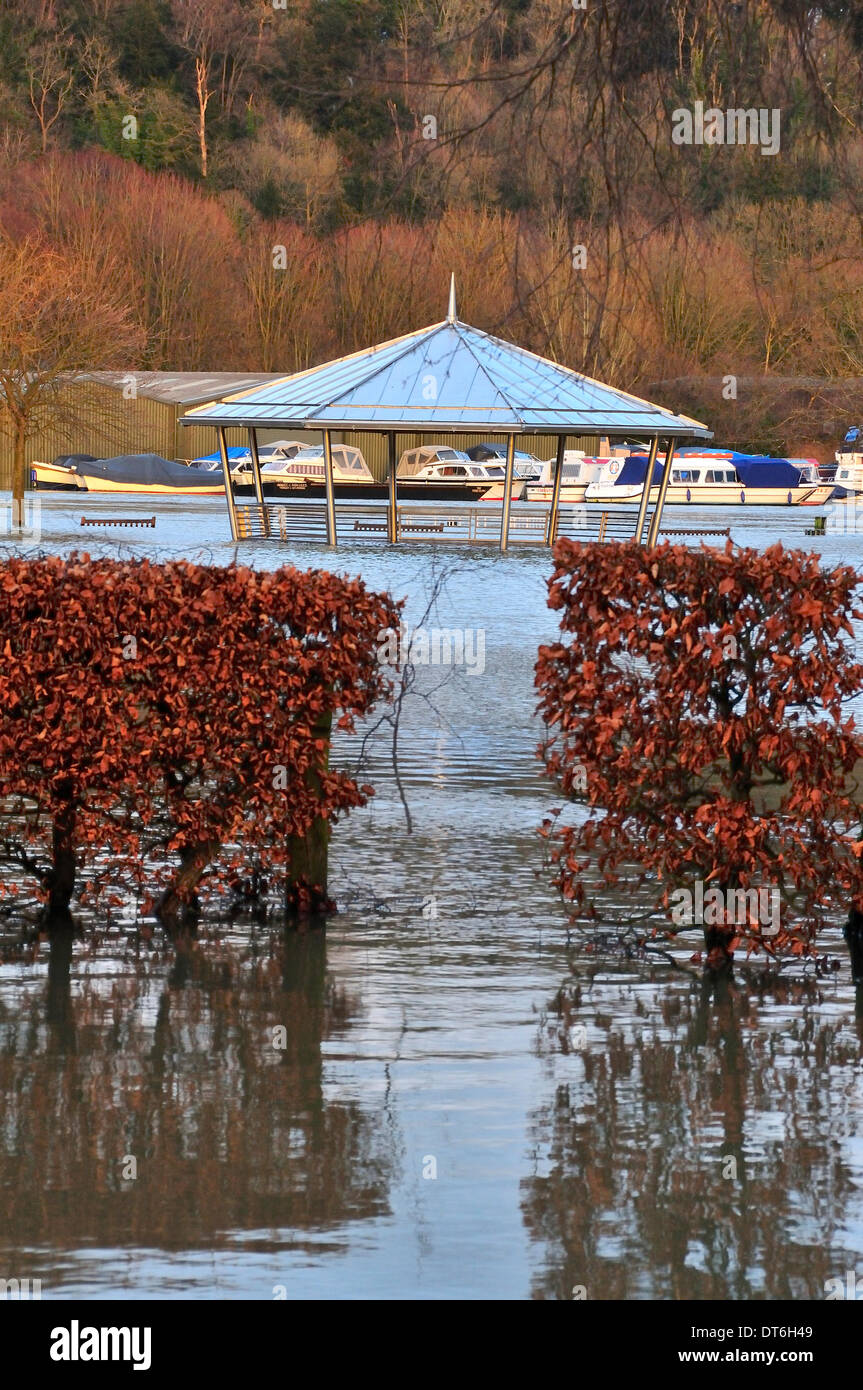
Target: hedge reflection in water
column 632, row 1193
column 180, row 1070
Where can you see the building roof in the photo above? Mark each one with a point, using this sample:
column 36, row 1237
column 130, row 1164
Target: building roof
column 182, row 388
column 447, row 377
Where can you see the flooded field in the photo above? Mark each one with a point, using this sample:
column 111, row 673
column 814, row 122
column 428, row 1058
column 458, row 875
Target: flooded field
column 465, row 1103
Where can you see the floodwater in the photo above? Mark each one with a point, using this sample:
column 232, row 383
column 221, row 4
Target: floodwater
column 465, row 1103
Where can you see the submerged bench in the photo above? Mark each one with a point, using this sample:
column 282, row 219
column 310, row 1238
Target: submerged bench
column 403, row 526
column 118, row 521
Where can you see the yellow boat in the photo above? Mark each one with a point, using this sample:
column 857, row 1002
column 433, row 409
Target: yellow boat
column 144, row 473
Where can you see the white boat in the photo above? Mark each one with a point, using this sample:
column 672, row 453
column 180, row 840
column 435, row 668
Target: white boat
column 304, row 470
column 437, row 471
column 526, row 469
column 578, row 470
column 849, row 465
column 240, row 460
column 716, row 479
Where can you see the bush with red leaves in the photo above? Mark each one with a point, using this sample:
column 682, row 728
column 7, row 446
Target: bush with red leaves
column 696, row 704
column 171, row 720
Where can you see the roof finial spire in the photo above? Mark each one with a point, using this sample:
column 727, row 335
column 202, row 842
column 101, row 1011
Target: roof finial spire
column 450, row 313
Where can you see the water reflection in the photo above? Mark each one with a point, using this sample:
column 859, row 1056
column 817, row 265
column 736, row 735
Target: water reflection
column 700, row 1145
column 115, row 1057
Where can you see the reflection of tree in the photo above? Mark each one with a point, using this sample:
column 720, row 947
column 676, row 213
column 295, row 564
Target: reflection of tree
column 628, row 1197
column 229, row 1132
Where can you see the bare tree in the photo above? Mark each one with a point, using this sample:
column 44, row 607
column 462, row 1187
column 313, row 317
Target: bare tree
column 221, row 40
column 50, row 81
column 285, row 285
column 55, row 319
column 197, row 33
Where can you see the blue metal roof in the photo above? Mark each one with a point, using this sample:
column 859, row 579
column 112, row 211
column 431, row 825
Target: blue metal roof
column 448, row 377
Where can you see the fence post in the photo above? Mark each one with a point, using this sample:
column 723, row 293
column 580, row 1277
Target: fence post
column 229, row 486
column 645, row 493
column 551, row 531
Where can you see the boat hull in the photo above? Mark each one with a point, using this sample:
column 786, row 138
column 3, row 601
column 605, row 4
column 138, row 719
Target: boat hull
column 569, row 492
column 67, row 481
column 160, row 489
column 715, row 495
column 49, row 477
column 408, row 491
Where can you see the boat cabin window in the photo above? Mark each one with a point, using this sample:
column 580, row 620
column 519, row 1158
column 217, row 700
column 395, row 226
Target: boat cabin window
column 681, row 475
column 843, row 473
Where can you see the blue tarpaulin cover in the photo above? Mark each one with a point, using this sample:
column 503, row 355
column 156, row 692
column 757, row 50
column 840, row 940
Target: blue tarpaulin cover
column 634, row 471
column 767, row 472
column 235, row 451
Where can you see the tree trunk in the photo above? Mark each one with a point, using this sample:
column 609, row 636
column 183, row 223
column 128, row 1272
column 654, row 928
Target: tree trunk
column 853, row 934
column 306, row 868
column 717, row 945
column 178, row 906
column 59, row 882
column 306, row 872
column 718, row 937
column 20, row 478
column 201, row 76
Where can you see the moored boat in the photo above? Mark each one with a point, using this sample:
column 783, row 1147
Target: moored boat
column 147, row 473
column 577, row 471
column 849, row 465
column 526, row 469
column 716, row 479
column 59, row 476
column 303, row 471
column 438, row 472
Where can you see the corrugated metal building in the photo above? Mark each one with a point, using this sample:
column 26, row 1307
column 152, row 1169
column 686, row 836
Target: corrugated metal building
column 107, row 413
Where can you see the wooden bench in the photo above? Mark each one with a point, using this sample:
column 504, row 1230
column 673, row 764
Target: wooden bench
column 118, row 521
column 403, row 526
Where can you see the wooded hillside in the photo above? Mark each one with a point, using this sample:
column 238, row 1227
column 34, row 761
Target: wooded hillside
column 267, row 184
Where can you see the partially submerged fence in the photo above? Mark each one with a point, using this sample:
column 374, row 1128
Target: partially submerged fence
column 443, row 523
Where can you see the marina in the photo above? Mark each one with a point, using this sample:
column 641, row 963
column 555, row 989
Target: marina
column 448, row 377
